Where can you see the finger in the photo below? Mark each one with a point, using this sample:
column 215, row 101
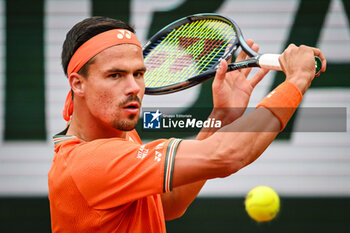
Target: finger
column 291, row 46
column 258, row 77
column 319, row 54
column 285, row 54
column 246, row 72
column 221, row 71
column 242, row 55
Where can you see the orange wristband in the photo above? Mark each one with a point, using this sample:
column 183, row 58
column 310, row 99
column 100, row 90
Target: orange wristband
column 282, row 102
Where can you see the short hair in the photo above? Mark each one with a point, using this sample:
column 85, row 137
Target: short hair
column 82, row 32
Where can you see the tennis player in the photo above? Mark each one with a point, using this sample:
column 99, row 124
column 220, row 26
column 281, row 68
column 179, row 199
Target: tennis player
column 104, row 179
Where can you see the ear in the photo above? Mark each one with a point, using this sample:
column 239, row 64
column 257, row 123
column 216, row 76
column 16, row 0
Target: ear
column 77, row 82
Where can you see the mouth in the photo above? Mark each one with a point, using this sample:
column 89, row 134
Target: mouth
column 132, row 107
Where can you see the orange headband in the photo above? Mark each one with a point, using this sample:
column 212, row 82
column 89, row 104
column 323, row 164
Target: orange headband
column 90, row 49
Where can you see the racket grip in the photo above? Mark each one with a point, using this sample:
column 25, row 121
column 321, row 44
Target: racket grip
column 270, row 61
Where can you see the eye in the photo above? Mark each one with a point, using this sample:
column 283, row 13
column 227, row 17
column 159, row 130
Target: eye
column 139, row 74
column 114, row 75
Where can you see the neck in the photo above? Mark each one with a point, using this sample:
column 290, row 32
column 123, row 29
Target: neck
column 92, row 131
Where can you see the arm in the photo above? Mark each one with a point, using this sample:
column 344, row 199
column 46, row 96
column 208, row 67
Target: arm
column 239, row 143
column 231, row 93
column 226, row 151
column 178, row 200
column 244, row 140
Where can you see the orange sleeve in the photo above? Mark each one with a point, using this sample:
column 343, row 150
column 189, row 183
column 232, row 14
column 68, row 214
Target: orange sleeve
column 112, row 172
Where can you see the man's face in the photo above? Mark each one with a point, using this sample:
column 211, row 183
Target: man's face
column 115, row 87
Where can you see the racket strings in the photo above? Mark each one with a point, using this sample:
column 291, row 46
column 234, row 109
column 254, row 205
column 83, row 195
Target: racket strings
column 187, row 51
column 196, row 51
column 212, row 46
column 160, row 59
column 187, row 54
column 178, row 58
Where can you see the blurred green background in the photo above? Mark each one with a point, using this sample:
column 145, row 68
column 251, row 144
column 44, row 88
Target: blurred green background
column 311, row 171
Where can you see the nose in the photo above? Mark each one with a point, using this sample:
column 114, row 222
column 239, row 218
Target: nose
column 132, row 86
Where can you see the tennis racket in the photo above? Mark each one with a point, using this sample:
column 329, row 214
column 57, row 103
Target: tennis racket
column 188, row 52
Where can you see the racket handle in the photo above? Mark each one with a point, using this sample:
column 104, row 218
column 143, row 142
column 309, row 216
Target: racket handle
column 270, row 61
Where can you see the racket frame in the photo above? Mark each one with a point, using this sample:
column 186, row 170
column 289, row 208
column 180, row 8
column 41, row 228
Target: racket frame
column 194, row 80
column 269, row 61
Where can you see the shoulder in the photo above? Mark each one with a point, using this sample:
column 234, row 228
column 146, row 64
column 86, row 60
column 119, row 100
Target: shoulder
column 133, row 136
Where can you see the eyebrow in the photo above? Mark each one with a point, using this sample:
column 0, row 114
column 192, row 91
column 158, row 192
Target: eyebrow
column 142, row 69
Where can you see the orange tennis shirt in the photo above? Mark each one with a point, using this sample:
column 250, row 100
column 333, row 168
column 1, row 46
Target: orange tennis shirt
column 110, row 185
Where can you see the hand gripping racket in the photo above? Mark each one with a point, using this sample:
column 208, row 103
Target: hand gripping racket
column 188, row 52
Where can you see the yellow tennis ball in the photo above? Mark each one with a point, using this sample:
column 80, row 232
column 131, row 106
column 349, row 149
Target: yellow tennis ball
column 262, row 203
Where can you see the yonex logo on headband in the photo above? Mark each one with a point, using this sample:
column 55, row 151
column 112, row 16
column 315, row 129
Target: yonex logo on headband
column 124, row 34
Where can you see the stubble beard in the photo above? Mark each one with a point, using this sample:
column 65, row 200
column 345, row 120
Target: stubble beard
column 127, row 124
column 131, row 122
